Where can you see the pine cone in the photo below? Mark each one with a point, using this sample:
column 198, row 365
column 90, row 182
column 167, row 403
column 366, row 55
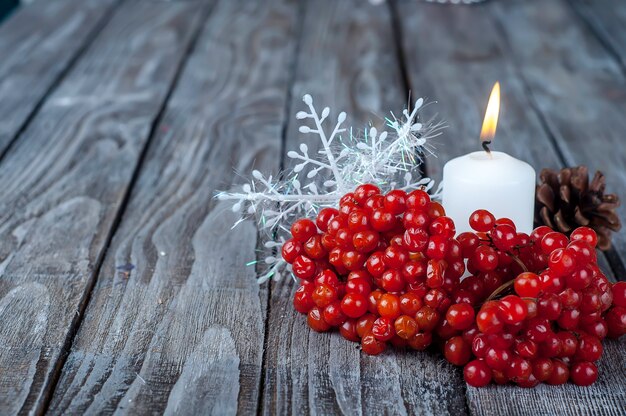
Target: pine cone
column 566, row 200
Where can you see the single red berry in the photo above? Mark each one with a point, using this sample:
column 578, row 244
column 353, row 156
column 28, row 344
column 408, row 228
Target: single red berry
column 364, row 324
column 383, row 329
column 358, row 285
column 443, row 226
column 303, row 229
column 498, row 359
column 314, row 248
column 482, row 220
column 583, row 252
column 460, row 316
column 333, row 314
column 584, row 373
column 579, row 279
column 445, row 331
column 480, row 345
column 303, row 267
column 527, row 285
column 353, row 260
column 375, row 264
column 392, row 281
column 354, row 305
column 395, row 201
column 569, row 319
column 457, row 351
column 417, row 199
column 569, row 343
column 324, row 217
column 512, row 309
column 348, row 331
column 427, row 318
column 485, row 258
column 538, row 329
column 526, row 348
column 585, row 234
column 291, row 249
column 549, row 306
column 303, row 299
column 542, row 368
column 537, row 234
column 477, row 373
column 435, row 210
column 504, row 237
column 469, row 242
column 389, row 306
column 435, row 273
column 553, row 240
column 616, row 321
column 324, row 295
column 363, row 192
column 382, row 220
column 414, row 270
column 488, row 319
column 437, row 247
column 415, row 219
column 358, row 220
column 560, row 373
column 316, row 320
column 410, row 303
column 619, row 294
column 405, row 327
column 421, row 341
column 415, row 239
column 395, row 257
column 562, row 261
column 371, row 345
column 589, row 348
column 519, row 369
column 365, row 241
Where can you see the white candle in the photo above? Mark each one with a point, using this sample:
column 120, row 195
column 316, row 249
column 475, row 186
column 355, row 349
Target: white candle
column 489, row 180
column 497, row 182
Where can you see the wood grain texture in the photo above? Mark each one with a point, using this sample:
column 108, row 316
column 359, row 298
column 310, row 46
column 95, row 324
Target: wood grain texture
column 37, row 45
column 181, row 330
column 347, row 61
column 607, row 19
column 59, row 202
column 577, row 86
column 458, row 70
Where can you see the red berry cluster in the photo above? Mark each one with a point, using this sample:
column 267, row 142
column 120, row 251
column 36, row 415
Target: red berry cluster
column 388, row 269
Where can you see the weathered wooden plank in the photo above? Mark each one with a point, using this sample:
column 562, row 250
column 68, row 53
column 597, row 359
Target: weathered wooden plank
column 37, row 44
column 348, row 61
column 581, row 95
column 64, row 183
column 608, row 20
column 458, row 70
column 181, row 330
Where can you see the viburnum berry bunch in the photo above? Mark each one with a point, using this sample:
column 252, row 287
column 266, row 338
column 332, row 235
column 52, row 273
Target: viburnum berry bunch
column 510, row 307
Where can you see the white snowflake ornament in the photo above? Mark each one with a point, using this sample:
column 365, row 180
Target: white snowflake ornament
column 386, row 159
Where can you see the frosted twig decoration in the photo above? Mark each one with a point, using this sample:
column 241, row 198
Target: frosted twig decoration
column 386, row 159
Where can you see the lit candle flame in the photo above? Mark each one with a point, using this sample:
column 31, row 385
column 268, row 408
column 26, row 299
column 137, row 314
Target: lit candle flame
column 488, row 132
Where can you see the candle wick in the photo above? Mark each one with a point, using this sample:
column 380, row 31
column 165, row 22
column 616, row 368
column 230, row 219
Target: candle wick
column 486, row 144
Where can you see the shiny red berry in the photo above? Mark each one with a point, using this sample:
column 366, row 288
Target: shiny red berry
column 477, row 373
column 303, row 229
column 482, row 220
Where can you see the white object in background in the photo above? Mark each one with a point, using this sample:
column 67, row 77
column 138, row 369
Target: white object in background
column 494, row 181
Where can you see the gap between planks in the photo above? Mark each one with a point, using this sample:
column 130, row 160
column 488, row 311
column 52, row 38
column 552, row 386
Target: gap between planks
column 293, row 66
column 91, row 36
column 67, row 345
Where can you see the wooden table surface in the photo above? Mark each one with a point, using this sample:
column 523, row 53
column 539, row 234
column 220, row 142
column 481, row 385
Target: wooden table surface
column 122, row 288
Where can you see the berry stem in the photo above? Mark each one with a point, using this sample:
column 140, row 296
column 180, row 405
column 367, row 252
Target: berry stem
column 500, row 290
column 518, row 261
